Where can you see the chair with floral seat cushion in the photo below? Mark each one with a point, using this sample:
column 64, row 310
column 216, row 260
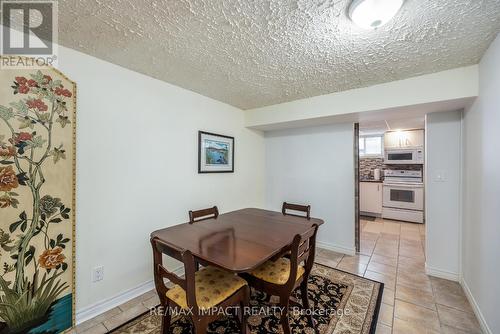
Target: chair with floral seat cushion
column 199, row 215
column 199, row 291
column 212, row 286
column 281, row 276
column 276, row 272
column 296, row 207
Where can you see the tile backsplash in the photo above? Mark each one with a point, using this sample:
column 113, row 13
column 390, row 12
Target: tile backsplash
column 367, row 165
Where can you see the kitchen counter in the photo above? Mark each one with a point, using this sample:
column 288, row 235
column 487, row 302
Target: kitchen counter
column 370, row 180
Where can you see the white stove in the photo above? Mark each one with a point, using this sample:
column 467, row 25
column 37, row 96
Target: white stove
column 403, row 195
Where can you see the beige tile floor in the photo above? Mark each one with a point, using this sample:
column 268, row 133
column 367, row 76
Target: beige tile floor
column 391, row 252
column 394, row 253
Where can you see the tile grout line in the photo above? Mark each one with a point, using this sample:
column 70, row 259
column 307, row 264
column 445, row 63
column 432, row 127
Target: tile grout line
column 435, row 304
column 396, row 279
column 371, row 257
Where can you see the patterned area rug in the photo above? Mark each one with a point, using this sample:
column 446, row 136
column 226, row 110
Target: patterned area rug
column 342, row 303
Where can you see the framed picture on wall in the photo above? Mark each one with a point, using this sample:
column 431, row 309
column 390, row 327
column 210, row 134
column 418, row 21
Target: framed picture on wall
column 215, row 153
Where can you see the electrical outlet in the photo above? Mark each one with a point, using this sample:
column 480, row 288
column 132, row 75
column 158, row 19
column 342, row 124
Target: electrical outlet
column 98, row 274
column 440, row 176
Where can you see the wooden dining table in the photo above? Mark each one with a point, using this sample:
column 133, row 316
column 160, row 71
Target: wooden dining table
column 237, row 241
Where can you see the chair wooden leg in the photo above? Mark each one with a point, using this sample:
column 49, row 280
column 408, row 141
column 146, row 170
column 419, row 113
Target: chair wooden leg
column 243, row 304
column 285, row 323
column 305, row 301
column 200, row 327
column 303, row 295
column 165, row 319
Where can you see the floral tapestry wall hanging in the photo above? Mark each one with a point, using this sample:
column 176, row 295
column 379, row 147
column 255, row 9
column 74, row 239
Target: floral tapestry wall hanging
column 37, row 201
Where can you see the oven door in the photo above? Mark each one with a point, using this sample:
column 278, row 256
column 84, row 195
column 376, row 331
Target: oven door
column 403, row 196
column 400, row 157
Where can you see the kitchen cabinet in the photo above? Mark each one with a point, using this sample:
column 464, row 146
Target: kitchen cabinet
column 402, row 139
column 370, row 198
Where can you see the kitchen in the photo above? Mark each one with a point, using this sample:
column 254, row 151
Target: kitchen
column 391, row 164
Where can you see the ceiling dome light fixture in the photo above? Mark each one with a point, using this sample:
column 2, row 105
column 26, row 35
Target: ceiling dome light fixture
column 371, row 14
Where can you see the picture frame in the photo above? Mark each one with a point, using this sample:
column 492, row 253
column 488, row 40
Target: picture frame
column 215, row 153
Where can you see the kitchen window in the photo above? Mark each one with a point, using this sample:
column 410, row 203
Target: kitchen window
column 371, row 146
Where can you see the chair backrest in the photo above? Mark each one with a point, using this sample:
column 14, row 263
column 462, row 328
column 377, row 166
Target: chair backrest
column 160, row 272
column 199, row 215
column 303, row 249
column 296, row 207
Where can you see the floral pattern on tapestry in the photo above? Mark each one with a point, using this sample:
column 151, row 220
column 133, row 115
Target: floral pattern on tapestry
column 36, row 201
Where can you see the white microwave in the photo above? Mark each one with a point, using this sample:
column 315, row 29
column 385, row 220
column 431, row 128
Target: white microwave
column 406, row 156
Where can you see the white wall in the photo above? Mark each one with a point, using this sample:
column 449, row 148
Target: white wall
column 443, row 193
column 481, row 242
column 137, row 168
column 315, row 166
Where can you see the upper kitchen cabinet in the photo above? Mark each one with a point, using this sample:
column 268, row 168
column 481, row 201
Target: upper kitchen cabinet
column 409, row 138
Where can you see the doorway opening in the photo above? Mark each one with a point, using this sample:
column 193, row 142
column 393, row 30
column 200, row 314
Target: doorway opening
column 389, row 166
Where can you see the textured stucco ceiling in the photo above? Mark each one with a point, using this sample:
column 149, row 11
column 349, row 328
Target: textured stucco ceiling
column 252, row 53
column 392, row 124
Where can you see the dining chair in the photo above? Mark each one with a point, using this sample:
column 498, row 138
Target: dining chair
column 199, row 215
column 296, row 207
column 281, row 277
column 199, row 291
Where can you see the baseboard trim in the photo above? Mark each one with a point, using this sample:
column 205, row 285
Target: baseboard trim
column 442, row 273
column 475, row 307
column 104, row 305
column 336, row 248
column 370, row 214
